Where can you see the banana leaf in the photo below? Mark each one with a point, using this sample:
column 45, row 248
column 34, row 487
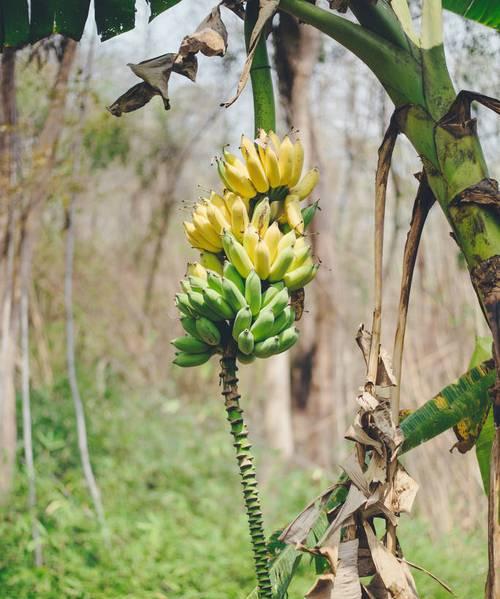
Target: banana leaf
column 486, row 12
column 463, row 398
column 67, row 17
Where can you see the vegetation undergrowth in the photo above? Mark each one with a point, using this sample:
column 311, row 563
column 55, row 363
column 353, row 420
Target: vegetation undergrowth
column 169, row 486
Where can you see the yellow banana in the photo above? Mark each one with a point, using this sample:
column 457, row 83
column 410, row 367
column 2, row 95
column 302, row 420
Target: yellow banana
column 302, row 253
column 250, row 241
column 272, row 167
column 236, row 162
column 220, row 203
column 261, row 143
column 289, row 239
column 306, row 184
column 217, row 219
column 237, row 182
column 285, row 159
column 262, row 260
column 272, row 238
column 237, row 254
column 195, row 269
column 211, row 262
column 275, row 140
column 230, row 197
column 196, row 240
column 261, row 216
column 254, row 165
column 294, row 213
column 205, row 229
column 239, row 218
column 298, row 163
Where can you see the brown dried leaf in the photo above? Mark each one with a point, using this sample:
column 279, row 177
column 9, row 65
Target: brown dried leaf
column 357, row 434
column 266, row 11
column 385, row 374
column 400, row 499
column 353, row 470
column 210, row 37
column 298, row 529
column 346, row 584
column 322, row 588
column 367, row 401
column 396, row 579
column 136, row 97
column 377, row 469
column 354, row 500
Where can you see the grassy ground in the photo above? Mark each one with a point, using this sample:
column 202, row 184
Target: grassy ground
column 172, row 500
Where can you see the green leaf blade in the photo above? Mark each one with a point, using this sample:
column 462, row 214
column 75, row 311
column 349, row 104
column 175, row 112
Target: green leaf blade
column 14, row 23
column 486, row 12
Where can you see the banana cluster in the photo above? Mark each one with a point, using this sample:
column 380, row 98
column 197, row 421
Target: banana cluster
column 218, row 307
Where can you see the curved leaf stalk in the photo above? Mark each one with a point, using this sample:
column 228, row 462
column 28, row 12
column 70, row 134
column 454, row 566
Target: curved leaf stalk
column 247, row 470
column 260, row 74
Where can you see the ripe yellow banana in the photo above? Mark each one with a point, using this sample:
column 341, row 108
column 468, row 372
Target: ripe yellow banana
column 220, row 203
column 262, row 260
column 217, row 218
column 306, row 184
column 289, row 239
column 237, row 254
column 271, row 166
column 195, row 269
column 261, row 216
column 211, row 262
column 254, row 165
column 294, row 213
column 196, row 239
column 272, row 238
column 239, row 218
column 236, row 181
column 286, row 156
column 275, row 140
column 298, row 163
column 250, row 241
column 205, row 229
column 236, row 162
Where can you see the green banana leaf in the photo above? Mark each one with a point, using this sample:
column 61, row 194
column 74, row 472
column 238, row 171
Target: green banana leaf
column 486, row 12
column 67, row 17
column 462, row 398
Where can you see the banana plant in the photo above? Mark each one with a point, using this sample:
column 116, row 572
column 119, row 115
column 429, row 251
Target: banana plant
column 411, row 66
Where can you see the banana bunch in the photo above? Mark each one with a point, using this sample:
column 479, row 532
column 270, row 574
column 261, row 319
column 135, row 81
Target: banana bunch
column 270, row 166
column 216, row 308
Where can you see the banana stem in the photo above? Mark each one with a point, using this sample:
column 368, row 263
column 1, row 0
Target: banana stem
column 247, row 470
column 260, row 74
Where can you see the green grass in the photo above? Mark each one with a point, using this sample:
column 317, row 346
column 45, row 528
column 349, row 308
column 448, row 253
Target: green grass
column 173, row 505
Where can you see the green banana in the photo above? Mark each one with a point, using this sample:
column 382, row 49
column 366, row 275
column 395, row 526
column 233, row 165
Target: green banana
column 281, row 264
column 186, row 360
column 301, row 256
column 208, row 331
column 245, row 359
column 200, row 306
column 242, row 321
column 267, row 348
column 295, row 279
column 284, row 319
column 246, row 342
column 308, row 213
column 237, row 254
column 197, row 283
column 233, row 275
column 270, row 292
column 184, row 305
column 287, row 338
column 218, row 304
column 214, row 281
column 233, row 295
column 262, row 326
column 189, row 325
column 185, row 286
column 279, row 302
column 211, row 262
column 189, row 344
column 253, row 292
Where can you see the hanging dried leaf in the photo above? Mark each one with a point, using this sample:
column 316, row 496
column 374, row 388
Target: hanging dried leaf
column 136, row 97
column 385, row 375
column 353, row 470
column 266, row 11
column 210, row 37
column 357, row 434
column 354, row 500
column 367, row 401
column 403, row 492
column 322, row 588
column 346, row 584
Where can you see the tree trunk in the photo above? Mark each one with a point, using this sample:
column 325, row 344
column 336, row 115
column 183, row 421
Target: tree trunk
column 297, row 51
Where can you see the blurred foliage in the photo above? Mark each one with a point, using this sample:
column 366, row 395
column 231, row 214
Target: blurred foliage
column 171, row 495
column 105, row 139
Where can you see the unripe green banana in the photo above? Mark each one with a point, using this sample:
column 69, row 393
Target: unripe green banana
column 301, row 255
column 191, row 345
column 245, row 359
column 237, row 254
column 184, row 305
column 196, row 284
column 308, row 213
column 287, row 240
column 185, row 286
column 200, row 306
column 242, row 321
column 267, row 348
column 211, row 262
column 287, row 338
column 233, row 295
column 261, row 328
column 218, row 304
column 189, row 325
column 281, row 264
column 246, row 342
column 279, row 302
column 271, row 291
column 284, row 320
column 234, row 276
column 253, row 292
column 208, row 331
column 214, row 281
column 295, row 279
column 185, row 360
